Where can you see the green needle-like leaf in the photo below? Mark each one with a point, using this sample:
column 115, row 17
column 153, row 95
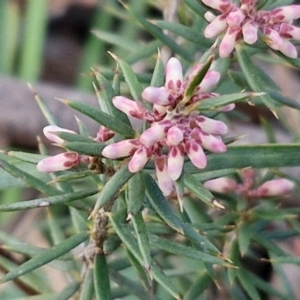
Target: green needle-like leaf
column 198, row 286
column 130, row 78
column 64, row 198
column 162, row 207
column 136, row 193
column 46, row 256
column 105, row 96
column 182, row 250
column 255, row 156
column 197, row 187
column 158, row 77
column 132, row 245
column 68, row 291
column 245, row 279
column 254, row 77
column 243, row 238
column 158, row 33
column 142, row 239
column 101, row 278
column 190, row 89
column 213, row 103
column 102, row 118
column 112, row 187
column 28, row 178
column 87, row 290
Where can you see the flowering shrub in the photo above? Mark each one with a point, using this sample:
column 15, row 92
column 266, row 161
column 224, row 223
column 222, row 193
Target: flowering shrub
column 166, row 135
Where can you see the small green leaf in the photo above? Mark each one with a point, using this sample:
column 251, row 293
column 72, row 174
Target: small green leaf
column 115, row 39
column 162, row 207
column 196, row 7
column 136, row 193
column 181, row 250
column 243, row 238
column 105, row 96
column 158, row 77
column 216, row 102
column 143, row 52
column 245, row 279
column 112, row 187
column 284, row 100
column 158, row 33
column 130, row 78
column 101, row 278
column 198, row 287
column 33, row 280
column 49, row 115
column 186, row 32
column 63, row 198
column 28, row 178
column 132, row 245
column 131, row 286
column 142, row 239
column 198, row 189
column 27, row 157
column 190, row 89
column 102, row 118
column 254, row 76
column 46, row 256
column 91, row 149
column 87, row 289
column 255, row 156
column 140, row 270
column 68, row 291
column 70, row 137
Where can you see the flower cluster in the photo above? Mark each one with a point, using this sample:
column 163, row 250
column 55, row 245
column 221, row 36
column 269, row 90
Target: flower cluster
column 244, row 20
column 175, row 130
column 270, row 188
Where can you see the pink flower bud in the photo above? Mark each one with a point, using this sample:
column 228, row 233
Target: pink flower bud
column 165, row 183
column 275, row 187
column 139, row 159
column 229, row 40
column 250, row 32
column 175, row 161
column 211, row 126
column 217, row 25
column 156, row 95
column 209, row 81
column 222, row 5
column 49, row 132
column 174, row 77
column 196, row 154
column 104, row 134
column 285, row 13
column 221, row 185
column 121, row 149
column 59, row 162
column 289, row 31
column 235, row 18
column 129, row 107
column 154, row 134
column 174, row 136
column 213, row 143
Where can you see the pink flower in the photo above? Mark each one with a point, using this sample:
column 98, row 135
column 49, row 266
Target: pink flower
column 59, row 162
column 104, row 134
column 275, row 187
column 50, row 130
column 172, row 131
column 221, row 185
column 165, row 183
column 121, row 149
column 243, row 20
